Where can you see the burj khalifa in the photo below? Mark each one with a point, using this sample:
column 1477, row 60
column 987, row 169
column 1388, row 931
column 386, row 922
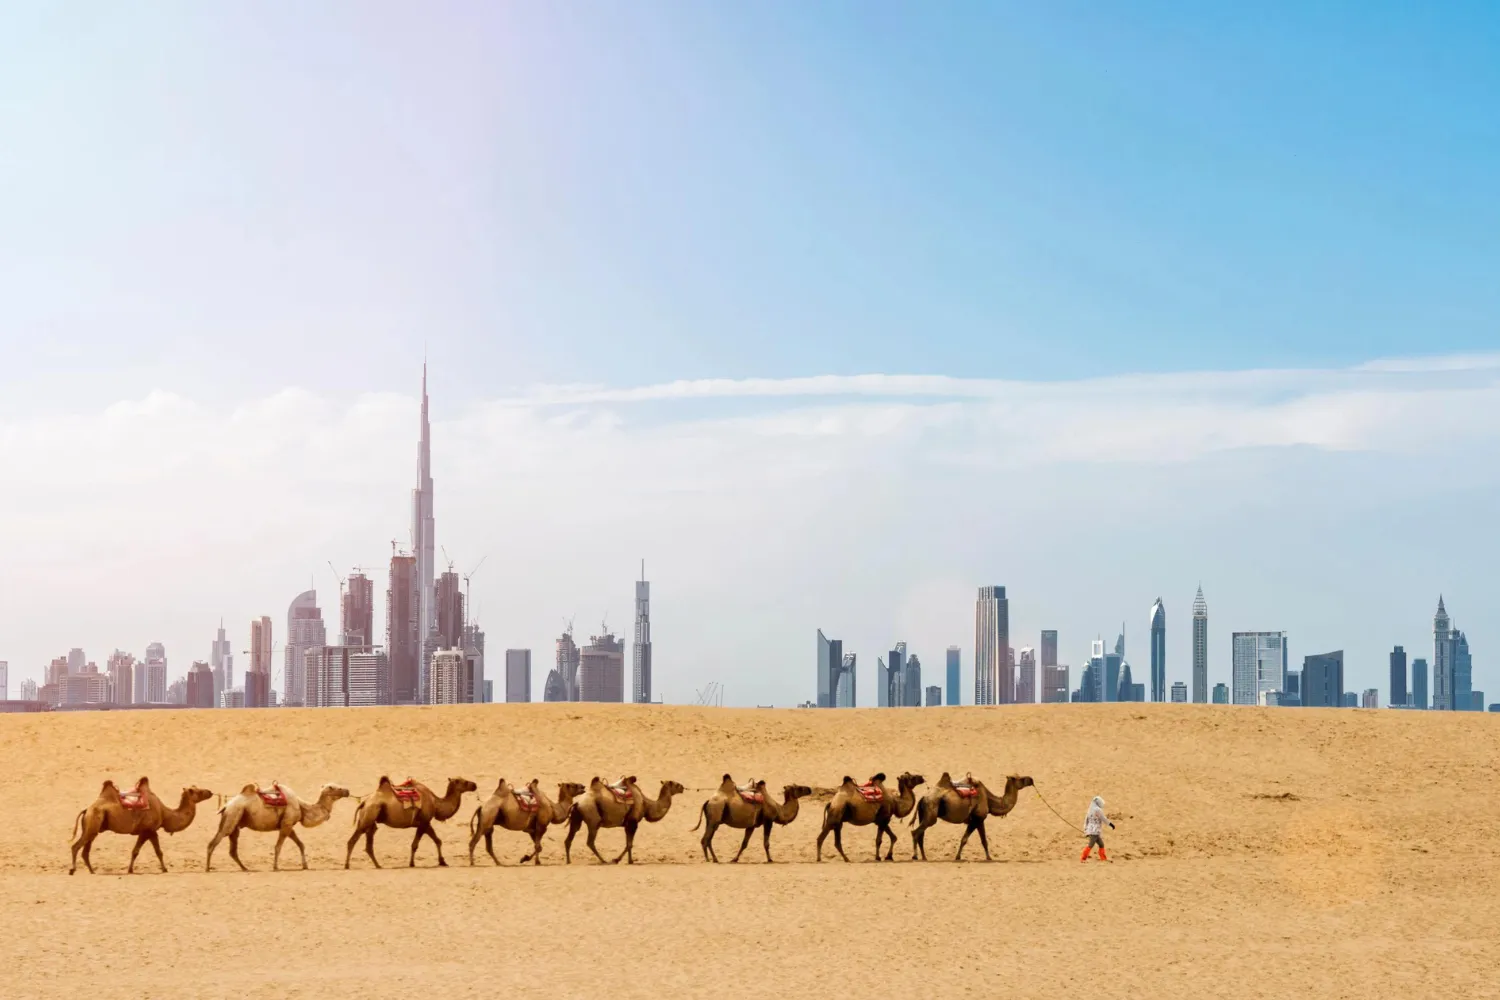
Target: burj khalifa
column 423, row 539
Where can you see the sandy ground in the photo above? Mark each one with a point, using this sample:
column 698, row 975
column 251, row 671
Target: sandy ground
column 1258, row 853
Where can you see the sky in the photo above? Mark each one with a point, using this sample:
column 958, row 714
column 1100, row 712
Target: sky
column 832, row 314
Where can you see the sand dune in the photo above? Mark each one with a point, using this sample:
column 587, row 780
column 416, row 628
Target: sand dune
column 1258, row 853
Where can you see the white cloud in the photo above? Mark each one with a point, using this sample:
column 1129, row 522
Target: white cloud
column 764, row 507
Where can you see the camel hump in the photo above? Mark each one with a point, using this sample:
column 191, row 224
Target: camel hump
column 848, row 780
column 109, row 788
column 250, row 789
column 946, row 781
column 385, row 780
column 875, row 779
column 628, row 781
column 142, row 785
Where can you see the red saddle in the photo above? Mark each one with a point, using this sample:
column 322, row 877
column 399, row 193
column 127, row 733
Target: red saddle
column 526, row 799
column 871, row 792
column 750, row 795
column 275, row 798
column 134, row 800
column 407, row 791
column 622, row 793
column 966, row 791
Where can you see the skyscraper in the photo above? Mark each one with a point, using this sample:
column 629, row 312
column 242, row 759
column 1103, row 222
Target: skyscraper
column 304, row 630
column 911, row 682
column 993, row 681
column 518, row 675
column 1221, row 694
column 121, row 676
column 424, row 543
column 1461, row 667
column 1419, row 683
column 844, row 689
column 4, row 681
column 221, row 661
column 200, row 686
column 1200, row 649
column 403, row 642
column 258, row 676
column 1398, row 677
column 830, row 660
column 473, row 646
column 76, row 660
column 1442, row 669
column 955, row 656
column 567, row 664
column 641, row 650
column 1026, row 682
column 1179, row 693
column 358, row 612
column 155, row 692
column 1054, row 685
column 1258, row 664
column 896, row 676
column 601, row 669
column 882, row 684
column 1323, row 680
column 1158, row 618
column 1049, row 647
column 346, row 677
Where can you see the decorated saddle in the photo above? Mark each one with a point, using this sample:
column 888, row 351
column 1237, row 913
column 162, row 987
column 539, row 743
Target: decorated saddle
column 751, row 794
column 871, row 791
column 275, row 796
column 408, row 793
column 526, row 799
column 966, row 790
column 138, row 797
column 621, row 790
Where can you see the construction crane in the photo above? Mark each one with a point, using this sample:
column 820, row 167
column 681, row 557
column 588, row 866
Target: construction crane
column 444, row 549
column 339, row 579
column 468, row 601
column 713, row 694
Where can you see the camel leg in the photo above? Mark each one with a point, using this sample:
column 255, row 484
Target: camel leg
column 432, row 833
column 968, row 829
column 88, row 846
column 276, row 851
column 749, row 830
column 370, row 846
column 208, row 862
column 415, row 840
column 919, row 841
column 155, row 842
column 707, row 843
column 594, row 832
column 984, row 841
column 140, row 842
column 489, row 844
column 574, row 822
column 85, row 842
column 765, row 831
column 349, row 849
column 234, row 849
column 535, row 857
column 291, row 834
column 838, row 841
column 629, row 842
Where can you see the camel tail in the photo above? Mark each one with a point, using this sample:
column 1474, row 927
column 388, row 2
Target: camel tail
column 474, row 821
column 702, row 815
column 78, row 821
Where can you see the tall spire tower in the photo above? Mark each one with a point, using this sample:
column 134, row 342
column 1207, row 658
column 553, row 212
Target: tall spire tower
column 423, row 542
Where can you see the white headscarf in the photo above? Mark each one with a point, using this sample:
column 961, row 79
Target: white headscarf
column 1098, row 802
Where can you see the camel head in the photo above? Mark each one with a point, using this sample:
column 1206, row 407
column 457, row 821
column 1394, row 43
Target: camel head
column 195, row 794
column 672, row 788
column 791, row 792
column 333, row 791
column 909, row 780
column 570, row 788
column 462, row 785
column 1018, row 782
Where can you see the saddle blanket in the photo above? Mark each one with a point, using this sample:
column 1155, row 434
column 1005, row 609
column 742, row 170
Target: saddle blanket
column 134, row 800
column 622, row 793
column 750, row 795
column 274, row 798
column 526, row 800
column 407, row 792
column 872, row 793
column 966, row 791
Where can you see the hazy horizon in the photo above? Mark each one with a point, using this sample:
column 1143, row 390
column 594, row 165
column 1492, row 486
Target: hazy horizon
column 831, row 315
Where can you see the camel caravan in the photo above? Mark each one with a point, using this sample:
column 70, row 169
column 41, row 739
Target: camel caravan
column 528, row 810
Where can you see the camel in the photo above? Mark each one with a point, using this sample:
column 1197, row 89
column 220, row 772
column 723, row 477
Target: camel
column 138, row 813
column 526, row 811
column 869, row 803
column 280, row 810
column 969, row 803
column 621, row 804
column 746, row 808
column 403, row 807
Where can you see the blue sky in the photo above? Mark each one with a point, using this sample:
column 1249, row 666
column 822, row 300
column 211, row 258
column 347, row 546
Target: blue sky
column 207, row 207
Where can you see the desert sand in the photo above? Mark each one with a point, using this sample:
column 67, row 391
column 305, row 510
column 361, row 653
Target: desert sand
column 1259, row 852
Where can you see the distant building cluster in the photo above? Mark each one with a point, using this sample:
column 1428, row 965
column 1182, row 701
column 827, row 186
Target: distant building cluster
column 1260, row 672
